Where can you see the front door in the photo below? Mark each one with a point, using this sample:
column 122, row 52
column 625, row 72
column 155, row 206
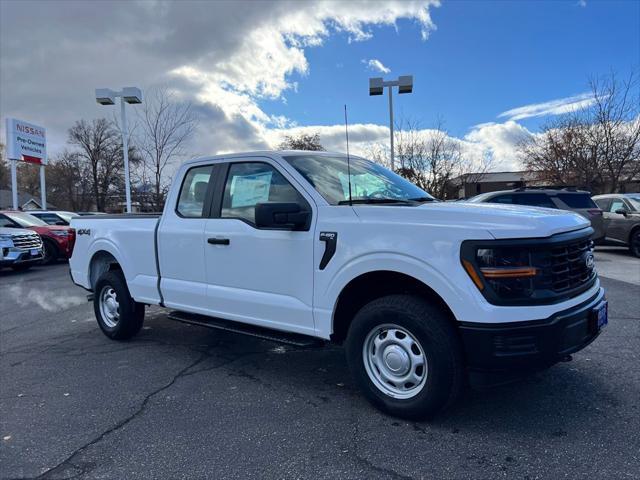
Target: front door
column 615, row 223
column 258, row 276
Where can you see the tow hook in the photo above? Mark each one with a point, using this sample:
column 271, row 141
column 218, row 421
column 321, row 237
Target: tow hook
column 566, row 358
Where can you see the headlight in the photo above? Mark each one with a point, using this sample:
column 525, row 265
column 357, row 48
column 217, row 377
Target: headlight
column 503, row 272
column 507, row 270
column 6, row 241
column 60, row 233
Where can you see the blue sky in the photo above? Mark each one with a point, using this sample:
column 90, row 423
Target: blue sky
column 483, row 59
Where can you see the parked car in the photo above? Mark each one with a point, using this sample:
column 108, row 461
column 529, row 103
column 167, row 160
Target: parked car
column 57, row 240
column 54, row 217
column 303, row 247
column 578, row 201
column 19, row 248
column 84, row 214
column 621, row 219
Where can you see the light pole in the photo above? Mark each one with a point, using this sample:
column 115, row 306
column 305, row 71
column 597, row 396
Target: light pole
column 106, row 96
column 376, row 87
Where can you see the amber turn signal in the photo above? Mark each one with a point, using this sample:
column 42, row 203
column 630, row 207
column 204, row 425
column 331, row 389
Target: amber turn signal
column 508, row 272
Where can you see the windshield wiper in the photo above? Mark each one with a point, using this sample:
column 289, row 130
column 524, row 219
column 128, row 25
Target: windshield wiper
column 371, row 201
column 423, row 199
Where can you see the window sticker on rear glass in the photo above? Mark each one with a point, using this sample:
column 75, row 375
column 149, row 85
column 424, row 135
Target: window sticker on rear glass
column 248, row 190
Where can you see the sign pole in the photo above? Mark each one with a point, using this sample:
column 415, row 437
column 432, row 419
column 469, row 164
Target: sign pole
column 14, row 183
column 43, row 189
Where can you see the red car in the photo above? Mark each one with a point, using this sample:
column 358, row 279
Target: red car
column 58, row 241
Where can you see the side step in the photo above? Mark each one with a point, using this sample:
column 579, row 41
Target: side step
column 289, row 338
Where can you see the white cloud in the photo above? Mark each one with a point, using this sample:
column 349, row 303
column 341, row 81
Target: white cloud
column 376, row 65
column 224, row 56
column 581, row 3
column 552, row 107
column 500, row 141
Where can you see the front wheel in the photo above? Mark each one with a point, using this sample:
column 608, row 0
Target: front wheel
column 119, row 316
column 405, row 356
column 50, row 252
column 634, row 243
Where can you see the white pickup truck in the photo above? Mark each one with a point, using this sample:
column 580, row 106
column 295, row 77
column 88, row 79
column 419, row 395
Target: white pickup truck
column 305, row 246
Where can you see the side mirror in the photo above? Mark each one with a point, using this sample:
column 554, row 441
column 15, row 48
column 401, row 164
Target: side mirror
column 282, row 216
column 62, row 223
column 622, row 211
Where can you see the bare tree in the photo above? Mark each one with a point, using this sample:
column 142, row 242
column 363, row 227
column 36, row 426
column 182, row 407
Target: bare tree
column 166, row 127
column 302, row 141
column 69, row 182
column 4, row 169
column 596, row 147
column 430, row 158
column 99, row 143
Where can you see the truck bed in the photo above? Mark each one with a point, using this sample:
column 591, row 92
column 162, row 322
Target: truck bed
column 130, row 239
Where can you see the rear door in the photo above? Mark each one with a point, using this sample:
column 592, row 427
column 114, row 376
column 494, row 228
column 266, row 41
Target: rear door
column 255, row 275
column 181, row 242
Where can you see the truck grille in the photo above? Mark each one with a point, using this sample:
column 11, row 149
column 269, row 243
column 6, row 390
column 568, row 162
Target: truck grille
column 27, row 241
column 568, row 266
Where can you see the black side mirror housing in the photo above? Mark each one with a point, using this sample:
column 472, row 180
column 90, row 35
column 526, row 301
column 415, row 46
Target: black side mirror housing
column 622, row 211
column 282, row 216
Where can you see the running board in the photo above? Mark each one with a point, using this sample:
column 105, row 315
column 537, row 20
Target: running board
column 289, row 338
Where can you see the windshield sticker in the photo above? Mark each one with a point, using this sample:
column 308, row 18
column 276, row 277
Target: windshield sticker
column 248, row 190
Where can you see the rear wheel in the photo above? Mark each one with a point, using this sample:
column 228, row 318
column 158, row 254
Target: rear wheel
column 405, row 356
column 119, row 316
column 634, row 243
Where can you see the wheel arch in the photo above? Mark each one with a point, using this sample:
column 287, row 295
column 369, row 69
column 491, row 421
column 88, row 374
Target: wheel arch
column 375, row 284
column 101, row 261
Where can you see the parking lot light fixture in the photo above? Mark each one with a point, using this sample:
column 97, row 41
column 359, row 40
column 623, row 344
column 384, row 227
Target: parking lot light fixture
column 132, row 95
column 376, row 87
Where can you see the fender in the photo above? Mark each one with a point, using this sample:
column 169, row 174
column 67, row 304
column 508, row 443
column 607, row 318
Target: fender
column 422, row 271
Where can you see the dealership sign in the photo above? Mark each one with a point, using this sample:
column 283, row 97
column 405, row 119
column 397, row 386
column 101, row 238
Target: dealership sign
column 26, row 142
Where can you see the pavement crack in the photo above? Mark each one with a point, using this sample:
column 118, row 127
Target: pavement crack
column 67, row 462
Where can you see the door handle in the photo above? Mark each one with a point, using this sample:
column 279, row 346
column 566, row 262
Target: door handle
column 218, row 241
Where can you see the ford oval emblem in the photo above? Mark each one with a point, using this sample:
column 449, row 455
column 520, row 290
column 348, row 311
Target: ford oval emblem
column 589, row 261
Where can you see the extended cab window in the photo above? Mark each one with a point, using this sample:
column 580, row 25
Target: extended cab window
column 251, row 183
column 193, row 192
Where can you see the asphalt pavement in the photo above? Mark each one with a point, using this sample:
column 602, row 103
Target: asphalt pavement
column 181, row 401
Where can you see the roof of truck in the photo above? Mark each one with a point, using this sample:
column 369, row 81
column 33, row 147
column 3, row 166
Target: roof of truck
column 257, row 153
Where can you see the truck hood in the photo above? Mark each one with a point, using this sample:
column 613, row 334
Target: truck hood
column 502, row 221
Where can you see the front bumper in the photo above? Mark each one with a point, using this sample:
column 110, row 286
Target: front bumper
column 14, row 256
column 531, row 345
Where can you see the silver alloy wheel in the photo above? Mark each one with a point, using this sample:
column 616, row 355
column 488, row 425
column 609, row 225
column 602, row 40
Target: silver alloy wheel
column 109, row 307
column 395, row 361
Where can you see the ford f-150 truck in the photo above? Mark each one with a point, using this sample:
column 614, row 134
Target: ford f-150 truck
column 299, row 246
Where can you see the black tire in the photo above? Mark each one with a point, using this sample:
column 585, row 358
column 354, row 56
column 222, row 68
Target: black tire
column 634, row 243
column 437, row 337
column 130, row 313
column 22, row 267
column 51, row 252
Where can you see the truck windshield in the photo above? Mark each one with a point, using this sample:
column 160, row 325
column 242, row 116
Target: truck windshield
column 370, row 182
